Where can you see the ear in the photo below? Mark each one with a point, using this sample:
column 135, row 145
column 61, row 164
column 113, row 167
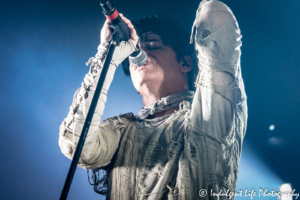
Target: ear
column 187, row 64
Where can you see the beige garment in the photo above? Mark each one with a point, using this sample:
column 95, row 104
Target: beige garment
column 174, row 156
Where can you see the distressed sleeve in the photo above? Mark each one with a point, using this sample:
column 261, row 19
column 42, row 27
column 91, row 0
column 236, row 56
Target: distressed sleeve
column 102, row 139
column 220, row 88
column 219, row 110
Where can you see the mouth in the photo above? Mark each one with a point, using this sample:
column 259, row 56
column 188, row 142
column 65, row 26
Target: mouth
column 143, row 66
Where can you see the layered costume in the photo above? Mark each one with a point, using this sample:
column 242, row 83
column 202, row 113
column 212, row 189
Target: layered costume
column 174, row 156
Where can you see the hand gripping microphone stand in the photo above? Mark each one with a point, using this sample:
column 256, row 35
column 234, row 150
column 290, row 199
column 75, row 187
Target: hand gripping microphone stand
column 120, row 33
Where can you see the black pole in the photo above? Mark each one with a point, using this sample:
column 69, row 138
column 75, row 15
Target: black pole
column 87, row 122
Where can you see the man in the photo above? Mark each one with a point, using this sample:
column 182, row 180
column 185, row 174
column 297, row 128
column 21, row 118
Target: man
column 180, row 144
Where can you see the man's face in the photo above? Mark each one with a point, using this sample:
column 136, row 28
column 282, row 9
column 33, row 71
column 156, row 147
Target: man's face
column 161, row 68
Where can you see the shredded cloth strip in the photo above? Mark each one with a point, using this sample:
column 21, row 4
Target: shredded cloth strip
column 174, row 156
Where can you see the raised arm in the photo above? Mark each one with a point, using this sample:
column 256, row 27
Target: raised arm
column 220, row 97
column 102, row 139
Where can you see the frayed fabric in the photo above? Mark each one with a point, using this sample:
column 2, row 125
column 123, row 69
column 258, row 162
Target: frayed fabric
column 165, row 103
column 174, row 156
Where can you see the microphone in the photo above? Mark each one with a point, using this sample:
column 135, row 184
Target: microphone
column 137, row 58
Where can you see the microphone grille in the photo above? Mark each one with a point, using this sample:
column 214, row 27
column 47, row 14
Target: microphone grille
column 139, row 59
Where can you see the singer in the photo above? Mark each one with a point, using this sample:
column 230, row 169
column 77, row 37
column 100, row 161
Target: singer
column 188, row 135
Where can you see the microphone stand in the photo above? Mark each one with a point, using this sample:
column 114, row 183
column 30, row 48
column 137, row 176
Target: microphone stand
column 118, row 35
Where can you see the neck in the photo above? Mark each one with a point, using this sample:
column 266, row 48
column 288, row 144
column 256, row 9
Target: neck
column 152, row 94
column 165, row 106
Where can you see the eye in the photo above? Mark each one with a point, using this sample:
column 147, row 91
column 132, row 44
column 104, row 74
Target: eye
column 152, row 45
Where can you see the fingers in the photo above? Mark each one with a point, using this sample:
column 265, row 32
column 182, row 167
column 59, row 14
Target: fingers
column 105, row 32
column 127, row 21
column 133, row 34
column 106, row 24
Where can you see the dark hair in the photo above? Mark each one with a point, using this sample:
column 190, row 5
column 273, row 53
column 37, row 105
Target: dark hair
column 172, row 35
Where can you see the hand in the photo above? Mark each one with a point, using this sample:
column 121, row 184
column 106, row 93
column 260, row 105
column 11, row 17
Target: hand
column 106, row 31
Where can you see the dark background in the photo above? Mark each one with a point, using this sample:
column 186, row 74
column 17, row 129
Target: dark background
column 43, row 49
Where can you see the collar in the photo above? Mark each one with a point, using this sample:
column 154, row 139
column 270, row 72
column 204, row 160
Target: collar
column 165, row 103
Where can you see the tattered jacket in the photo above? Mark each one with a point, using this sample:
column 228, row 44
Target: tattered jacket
column 177, row 156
